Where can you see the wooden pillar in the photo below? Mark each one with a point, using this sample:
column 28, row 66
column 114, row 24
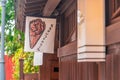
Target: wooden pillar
column 21, row 69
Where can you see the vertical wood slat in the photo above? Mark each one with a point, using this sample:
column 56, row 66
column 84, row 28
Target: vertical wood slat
column 79, row 71
column 116, row 68
column 113, row 67
column 87, row 71
column 108, row 67
column 101, row 71
column 68, row 68
column 92, row 71
column 71, row 70
column 84, row 71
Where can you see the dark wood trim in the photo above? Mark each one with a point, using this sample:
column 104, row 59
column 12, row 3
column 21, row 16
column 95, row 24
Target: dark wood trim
column 68, row 49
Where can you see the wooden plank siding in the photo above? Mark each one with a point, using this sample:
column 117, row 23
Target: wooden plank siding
column 70, row 69
column 67, row 67
column 113, row 67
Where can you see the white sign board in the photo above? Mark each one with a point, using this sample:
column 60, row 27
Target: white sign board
column 39, row 34
column 38, row 58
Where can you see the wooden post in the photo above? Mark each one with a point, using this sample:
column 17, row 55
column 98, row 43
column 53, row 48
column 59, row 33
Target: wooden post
column 21, row 69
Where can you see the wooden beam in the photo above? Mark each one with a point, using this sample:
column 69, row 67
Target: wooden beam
column 68, row 49
column 113, row 34
column 50, row 7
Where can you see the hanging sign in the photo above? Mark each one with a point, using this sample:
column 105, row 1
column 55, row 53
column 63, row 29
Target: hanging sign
column 90, row 31
column 39, row 34
column 38, row 58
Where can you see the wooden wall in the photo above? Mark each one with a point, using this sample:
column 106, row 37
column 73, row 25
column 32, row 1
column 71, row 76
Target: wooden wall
column 70, row 69
column 113, row 67
column 67, row 67
column 113, row 40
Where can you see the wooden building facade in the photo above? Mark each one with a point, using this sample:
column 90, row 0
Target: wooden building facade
column 63, row 64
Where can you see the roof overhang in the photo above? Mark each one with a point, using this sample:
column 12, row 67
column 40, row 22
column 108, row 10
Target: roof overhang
column 37, row 8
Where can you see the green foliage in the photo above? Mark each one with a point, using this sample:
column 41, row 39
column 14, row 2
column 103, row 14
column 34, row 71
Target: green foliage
column 14, row 42
column 10, row 12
